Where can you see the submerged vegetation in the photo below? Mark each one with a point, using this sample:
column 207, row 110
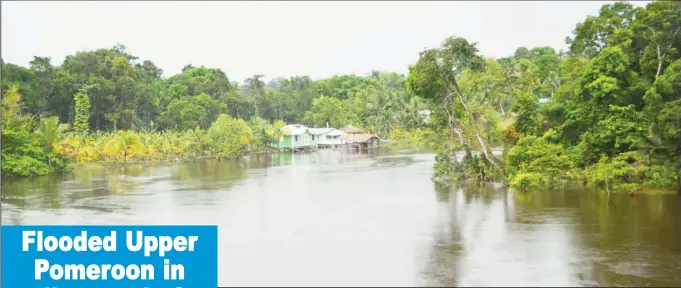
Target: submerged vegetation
column 606, row 113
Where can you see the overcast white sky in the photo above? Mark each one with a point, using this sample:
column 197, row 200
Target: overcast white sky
column 282, row 38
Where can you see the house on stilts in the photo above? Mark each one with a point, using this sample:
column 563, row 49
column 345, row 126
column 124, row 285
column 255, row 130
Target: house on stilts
column 355, row 138
column 327, row 137
column 297, row 137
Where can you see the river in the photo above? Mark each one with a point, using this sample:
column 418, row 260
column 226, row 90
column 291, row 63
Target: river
column 353, row 219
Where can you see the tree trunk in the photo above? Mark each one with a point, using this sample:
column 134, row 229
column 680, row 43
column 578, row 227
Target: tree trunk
column 501, row 105
column 483, row 145
column 607, row 186
column 659, row 62
column 453, row 127
column 459, row 134
column 97, row 120
column 678, row 179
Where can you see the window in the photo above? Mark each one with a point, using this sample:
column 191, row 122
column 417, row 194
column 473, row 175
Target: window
column 312, row 137
column 296, row 138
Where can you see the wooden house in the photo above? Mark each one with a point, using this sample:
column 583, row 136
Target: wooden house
column 362, row 141
column 356, row 138
column 327, row 137
column 296, row 137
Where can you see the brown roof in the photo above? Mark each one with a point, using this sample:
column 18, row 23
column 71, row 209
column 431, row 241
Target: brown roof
column 351, row 129
column 359, row 138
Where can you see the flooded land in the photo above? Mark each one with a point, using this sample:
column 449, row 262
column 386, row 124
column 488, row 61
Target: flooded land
column 341, row 218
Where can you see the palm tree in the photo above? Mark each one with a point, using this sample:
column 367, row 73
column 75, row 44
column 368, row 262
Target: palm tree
column 126, row 141
column 165, row 145
column 408, row 111
column 276, row 129
column 260, row 127
column 257, row 124
column 380, row 110
column 195, row 140
column 652, row 143
column 51, row 131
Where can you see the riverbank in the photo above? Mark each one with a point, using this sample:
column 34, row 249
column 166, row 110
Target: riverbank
column 394, row 147
column 282, row 215
column 131, row 147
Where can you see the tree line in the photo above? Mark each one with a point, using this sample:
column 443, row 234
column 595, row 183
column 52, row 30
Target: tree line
column 605, row 113
column 107, row 105
column 127, row 94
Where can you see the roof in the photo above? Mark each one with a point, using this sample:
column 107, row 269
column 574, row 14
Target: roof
column 351, row 129
column 320, row 131
column 335, row 132
column 359, row 137
column 294, row 129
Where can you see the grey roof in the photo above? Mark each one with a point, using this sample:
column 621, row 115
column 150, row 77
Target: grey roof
column 294, row 129
column 320, row 131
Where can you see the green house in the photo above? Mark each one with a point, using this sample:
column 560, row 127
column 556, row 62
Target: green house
column 296, row 136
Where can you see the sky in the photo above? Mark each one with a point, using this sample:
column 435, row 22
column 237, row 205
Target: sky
column 281, row 39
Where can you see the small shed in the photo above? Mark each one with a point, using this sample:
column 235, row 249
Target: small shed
column 362, row 141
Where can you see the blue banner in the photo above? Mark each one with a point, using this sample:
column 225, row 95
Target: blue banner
column 109, row 256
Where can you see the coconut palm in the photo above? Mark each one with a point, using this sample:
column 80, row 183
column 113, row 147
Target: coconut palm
column 381, row 118
column 276, row 129
column 408, row 113
column 50, row 131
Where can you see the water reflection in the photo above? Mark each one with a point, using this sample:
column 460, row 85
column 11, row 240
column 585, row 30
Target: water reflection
column 500, row 237
column 73, row 189
column 371, row 219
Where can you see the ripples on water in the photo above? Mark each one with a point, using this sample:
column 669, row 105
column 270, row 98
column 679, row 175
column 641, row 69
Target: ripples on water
column 339, row 218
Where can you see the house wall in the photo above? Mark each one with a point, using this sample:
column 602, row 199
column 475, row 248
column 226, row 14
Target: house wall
column 285, row 142
column 305, row 140
column 329, row 140
column 297, row 141
column 373, row 143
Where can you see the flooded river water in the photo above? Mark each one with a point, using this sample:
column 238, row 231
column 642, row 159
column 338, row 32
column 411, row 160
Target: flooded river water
column 339, row 218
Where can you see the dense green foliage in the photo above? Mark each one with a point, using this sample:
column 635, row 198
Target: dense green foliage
column 81, row 123
column 25, row 153
column 606, row 113
column 122, row 109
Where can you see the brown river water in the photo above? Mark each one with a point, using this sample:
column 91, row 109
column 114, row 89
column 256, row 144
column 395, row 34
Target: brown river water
column 335, row 218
